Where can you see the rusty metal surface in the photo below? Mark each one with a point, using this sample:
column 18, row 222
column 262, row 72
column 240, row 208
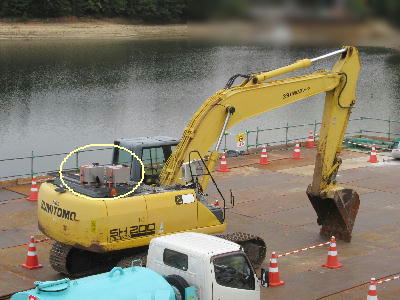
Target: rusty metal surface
column 21, row 189
column 270, row 202
column 9, row 195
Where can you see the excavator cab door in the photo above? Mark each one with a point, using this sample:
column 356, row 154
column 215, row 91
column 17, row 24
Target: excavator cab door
column 153, row 159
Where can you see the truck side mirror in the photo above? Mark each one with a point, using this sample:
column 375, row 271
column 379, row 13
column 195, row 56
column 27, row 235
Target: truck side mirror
column 264, row 278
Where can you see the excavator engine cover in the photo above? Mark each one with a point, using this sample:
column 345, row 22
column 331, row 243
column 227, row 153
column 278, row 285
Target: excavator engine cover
column 336, row 215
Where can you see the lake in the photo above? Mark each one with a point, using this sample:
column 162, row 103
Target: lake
column 58, row 95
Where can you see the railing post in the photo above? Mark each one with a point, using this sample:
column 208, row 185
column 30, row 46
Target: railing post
column 225, row 148
column 32, row 158
column 315, row 126
column 247, row 140
column 256, row 136
column 77, row 160
column 286, row 133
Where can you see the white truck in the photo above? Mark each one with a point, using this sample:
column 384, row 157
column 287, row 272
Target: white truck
column 219, row 269
column 182, row 266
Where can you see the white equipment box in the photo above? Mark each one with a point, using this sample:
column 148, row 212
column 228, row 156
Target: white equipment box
column 92, row 174
column 118, row 174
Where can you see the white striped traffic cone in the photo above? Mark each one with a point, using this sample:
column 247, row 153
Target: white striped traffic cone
column 332, row 261
column 264, row 157
column 372, row 294
column 216, row 203
column 223, row 166
column 311, row 141
column 373, row 158
column 32, row 260
column 274, row 277
column 296, row 151
column 33, row 196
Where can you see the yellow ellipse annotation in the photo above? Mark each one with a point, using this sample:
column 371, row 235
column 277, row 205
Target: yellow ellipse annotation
column 100, row 145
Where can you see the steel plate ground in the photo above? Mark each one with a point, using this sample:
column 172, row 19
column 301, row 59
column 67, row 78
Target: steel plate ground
column 270, row 202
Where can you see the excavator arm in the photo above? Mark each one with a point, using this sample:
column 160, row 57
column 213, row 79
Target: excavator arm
column 336, row 207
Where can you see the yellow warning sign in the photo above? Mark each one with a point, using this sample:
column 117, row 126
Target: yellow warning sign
column 241, row 140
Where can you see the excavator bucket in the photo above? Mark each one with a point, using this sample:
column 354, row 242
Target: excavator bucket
column 336, row 215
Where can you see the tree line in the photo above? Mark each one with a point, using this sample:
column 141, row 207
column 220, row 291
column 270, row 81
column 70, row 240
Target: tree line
column 168, row 11
column 388, row 9
column 154, row 11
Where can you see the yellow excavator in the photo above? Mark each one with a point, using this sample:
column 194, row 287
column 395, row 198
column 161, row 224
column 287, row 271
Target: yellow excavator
column 95, row 232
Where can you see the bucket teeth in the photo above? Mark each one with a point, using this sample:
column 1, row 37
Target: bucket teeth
column 336, row 215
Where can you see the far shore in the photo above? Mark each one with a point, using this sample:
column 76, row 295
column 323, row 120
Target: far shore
column 373, row 33
column 95, row 29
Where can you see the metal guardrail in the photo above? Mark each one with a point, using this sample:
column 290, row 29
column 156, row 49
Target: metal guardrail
column 33, row 157
column 251, row 135
column 254, row 135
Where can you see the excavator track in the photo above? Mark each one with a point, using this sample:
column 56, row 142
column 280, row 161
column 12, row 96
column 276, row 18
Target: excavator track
column 76, row 263
column 253, row 246
column 58, row 257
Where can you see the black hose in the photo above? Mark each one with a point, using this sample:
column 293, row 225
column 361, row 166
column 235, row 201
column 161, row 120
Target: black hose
column 233, row 78
column 341, row 90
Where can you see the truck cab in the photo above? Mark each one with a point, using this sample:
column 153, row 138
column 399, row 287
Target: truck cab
column 219, row 269
column 153, row 151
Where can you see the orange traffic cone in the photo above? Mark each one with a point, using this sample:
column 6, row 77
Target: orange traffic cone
column 296, row 151
column 264, row 157
column 216, row 203
column 274, row 277
column 373, row 158
column 311, row 141
column 332, row 262
column 33, row 196
column 223, row 166
column 32, row 261
column 372, row 294
column 113, row 192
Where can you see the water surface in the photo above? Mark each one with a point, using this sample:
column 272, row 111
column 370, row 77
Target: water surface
column 57, row 95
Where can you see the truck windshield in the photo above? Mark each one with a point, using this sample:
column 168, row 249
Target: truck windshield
column 234, row 271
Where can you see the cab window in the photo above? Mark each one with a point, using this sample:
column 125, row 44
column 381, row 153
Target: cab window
column 124, row 158
column 234, row 271
column 175, row 259
column 154, row 160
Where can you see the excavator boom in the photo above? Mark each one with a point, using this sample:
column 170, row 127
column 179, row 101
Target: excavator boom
column 336, row 207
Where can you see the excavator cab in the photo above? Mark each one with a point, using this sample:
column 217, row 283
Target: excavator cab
column 153, row 151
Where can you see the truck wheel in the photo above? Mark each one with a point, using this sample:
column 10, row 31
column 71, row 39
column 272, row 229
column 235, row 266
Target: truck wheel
column 178, row 284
